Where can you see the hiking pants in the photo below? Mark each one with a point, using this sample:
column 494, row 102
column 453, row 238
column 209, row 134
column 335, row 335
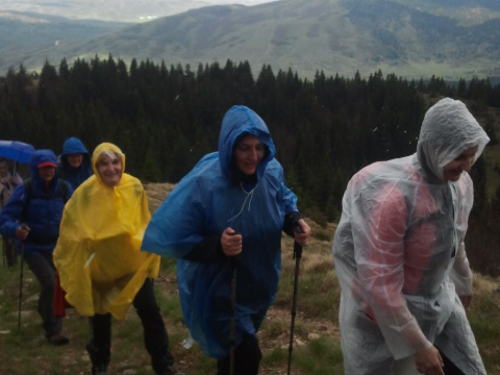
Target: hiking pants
column 247, row 356
column 9, row 251
column 40, row 263
column 155, row 333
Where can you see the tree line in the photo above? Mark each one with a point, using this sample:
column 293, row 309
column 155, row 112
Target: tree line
column 166, row 117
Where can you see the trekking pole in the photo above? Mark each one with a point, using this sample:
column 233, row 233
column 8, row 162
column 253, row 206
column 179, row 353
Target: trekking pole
column 21, row 275
column 4, row 249
column 297, row 254
column 4, row 257
column 232, row 334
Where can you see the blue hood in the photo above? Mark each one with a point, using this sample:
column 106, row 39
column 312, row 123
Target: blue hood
column 73, row 146
column 238, row 121
column 75, row 176
column 41, row 156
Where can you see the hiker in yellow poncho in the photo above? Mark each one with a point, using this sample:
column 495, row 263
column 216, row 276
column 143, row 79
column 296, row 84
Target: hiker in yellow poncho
column 100, row 263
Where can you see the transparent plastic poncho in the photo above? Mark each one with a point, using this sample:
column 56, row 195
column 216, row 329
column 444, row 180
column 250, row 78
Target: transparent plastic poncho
column 399, row 249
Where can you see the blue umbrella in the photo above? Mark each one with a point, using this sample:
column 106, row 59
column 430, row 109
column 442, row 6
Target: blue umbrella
column 17, row 151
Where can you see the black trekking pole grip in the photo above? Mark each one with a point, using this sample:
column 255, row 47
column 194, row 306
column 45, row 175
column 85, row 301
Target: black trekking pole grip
column 232, row 328
column 297, row 248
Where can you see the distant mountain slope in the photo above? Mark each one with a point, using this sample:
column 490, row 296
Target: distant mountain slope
column 30, row 39
column 412, row 38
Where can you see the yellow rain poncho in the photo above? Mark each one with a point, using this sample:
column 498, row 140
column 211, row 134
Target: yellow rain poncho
column 98, row 252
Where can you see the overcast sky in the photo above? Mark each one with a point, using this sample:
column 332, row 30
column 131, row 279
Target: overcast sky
column 113, row 10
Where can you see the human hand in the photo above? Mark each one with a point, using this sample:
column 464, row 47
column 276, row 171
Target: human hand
column 232, row 242
column 302, row 238
column 22, row 232
column 429, row 361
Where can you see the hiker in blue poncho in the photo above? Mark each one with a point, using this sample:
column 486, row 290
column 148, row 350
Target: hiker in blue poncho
column 233, row 205
column 75, row 164
column 38, row 204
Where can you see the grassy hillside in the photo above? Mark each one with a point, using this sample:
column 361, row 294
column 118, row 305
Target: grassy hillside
column 316, row 346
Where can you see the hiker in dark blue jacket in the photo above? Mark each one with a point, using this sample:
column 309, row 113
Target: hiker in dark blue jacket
column 33, row 215
column 75, row 165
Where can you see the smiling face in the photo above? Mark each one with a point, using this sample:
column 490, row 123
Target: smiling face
column 110, row 169
column 248, row 153
column 74, row 160
column 463, row 162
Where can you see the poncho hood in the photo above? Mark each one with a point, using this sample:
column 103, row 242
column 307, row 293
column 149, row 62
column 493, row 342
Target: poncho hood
column 237, row 122
column 38, row 157
column 75, row 176
column 73, row 145
column 102, row 148
column 447, row 131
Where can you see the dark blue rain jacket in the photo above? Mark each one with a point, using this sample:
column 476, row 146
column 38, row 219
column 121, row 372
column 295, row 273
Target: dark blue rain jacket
column 204, row 204
column 41, row 210
column 75, row 176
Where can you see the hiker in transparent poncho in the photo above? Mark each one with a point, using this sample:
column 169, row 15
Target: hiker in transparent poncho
column 400, row 257
column 234, row 204
column 100, row 263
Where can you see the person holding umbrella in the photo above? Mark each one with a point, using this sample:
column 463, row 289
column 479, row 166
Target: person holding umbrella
column 33, row 215
column 225, row 217
column 8, row 183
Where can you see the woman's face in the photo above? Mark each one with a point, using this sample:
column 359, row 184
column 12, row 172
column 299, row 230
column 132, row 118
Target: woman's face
column 46, row 174
column 248, row 153
column 110, row 170
column 74, row 160
column 453, row 170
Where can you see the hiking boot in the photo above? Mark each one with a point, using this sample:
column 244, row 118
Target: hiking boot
column 57, row 339
column 100, row 370
column 170, row 370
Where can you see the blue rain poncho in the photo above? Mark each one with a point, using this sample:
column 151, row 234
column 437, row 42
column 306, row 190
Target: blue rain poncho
column 399, row 251
column 204, row 204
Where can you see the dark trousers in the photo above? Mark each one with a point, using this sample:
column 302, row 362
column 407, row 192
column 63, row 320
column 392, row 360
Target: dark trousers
column 155, row 333
column 449, row 366
column 9, row 251
column 247, row 356
column 44, row 270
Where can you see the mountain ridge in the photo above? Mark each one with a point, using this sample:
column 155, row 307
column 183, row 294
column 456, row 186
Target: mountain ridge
column 410, row 39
